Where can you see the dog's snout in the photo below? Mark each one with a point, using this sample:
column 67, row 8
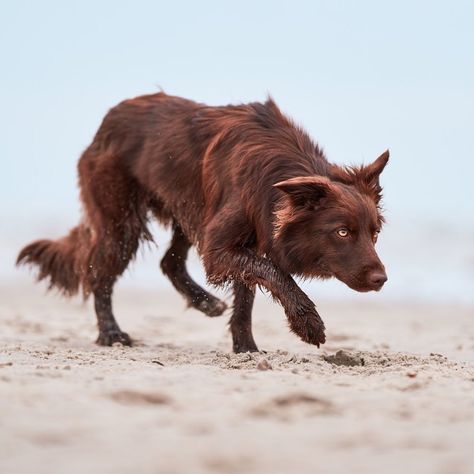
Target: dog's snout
column 377, row 278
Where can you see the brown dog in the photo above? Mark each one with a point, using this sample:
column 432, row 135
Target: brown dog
column 244, row 185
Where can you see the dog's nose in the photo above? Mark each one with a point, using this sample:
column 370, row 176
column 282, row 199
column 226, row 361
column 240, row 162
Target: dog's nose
column 377, row 278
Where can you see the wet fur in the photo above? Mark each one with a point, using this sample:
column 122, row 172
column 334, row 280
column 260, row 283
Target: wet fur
column 243, row 184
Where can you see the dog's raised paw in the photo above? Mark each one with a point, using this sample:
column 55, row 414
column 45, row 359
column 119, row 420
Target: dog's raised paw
column 315, row 334
column 211, row 307
column 309, row 327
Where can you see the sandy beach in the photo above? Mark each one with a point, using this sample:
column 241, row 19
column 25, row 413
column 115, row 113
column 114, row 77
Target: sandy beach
column 391, row 391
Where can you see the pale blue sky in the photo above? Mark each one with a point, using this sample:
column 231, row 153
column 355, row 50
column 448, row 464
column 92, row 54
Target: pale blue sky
column 360, row 76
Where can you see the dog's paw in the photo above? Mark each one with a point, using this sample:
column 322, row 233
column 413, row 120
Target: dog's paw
column 210, row 306
column 309, row 327
column 240, row 347
column 110, row 337
column 314, row 332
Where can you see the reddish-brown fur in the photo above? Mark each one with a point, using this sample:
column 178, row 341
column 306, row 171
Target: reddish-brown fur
column 243, row 184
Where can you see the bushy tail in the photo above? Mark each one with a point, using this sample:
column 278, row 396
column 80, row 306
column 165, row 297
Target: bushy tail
column 57, row 260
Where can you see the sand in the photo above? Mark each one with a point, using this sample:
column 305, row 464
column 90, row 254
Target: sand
column 391, row 391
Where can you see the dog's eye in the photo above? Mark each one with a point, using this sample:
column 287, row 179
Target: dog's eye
column 342, row 232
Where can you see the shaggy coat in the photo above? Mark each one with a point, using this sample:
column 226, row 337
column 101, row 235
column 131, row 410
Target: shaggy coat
column 243, row 184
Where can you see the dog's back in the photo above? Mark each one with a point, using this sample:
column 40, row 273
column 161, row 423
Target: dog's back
column 190, row 159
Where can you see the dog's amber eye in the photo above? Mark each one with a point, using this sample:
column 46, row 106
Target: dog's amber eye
column 342, row 232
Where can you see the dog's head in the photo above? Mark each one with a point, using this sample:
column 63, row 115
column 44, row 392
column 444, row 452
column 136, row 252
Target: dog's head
column 328, row 226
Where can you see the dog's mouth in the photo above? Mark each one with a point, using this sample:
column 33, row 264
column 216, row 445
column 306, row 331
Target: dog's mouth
column 359, row 285
column 377, row 287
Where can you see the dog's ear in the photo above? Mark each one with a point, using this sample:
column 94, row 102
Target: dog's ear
column 365, row 178
column 307, row 190
column 368, row 174
column 368, row 177
column 372, row 172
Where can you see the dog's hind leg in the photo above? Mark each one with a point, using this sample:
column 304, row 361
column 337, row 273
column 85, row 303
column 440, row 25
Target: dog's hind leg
column 109, row 330
column 241, row 320
column 174, row 267
column 115, row 213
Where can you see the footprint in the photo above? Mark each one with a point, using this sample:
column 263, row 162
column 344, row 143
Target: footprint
column 294, row 405
column 132, row 397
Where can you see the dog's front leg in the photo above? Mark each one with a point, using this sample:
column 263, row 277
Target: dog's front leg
column 242, row 264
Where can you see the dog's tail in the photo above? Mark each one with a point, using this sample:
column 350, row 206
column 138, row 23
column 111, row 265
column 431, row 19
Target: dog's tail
column 58, row 260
